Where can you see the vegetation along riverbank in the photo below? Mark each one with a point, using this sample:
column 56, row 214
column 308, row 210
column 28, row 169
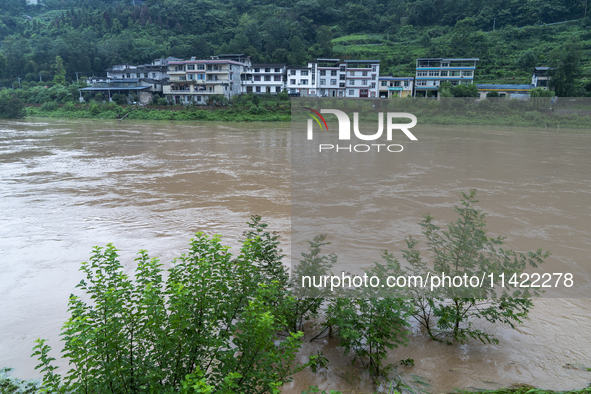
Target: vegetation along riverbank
column 217, row 322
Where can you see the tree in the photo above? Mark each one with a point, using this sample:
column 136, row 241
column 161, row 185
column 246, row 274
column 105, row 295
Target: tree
column 59, row 71
column 445, row 89
column 213, row 322
column 565, row 68
column 298, row 51
column 465, row 90
column 492, row 94
column 464, row 249
column 11, row 107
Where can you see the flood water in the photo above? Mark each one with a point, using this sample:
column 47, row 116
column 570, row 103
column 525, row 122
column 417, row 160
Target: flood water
column 67, row 186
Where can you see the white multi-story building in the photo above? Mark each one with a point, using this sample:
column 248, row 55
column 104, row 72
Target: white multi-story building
column 432, row 71
column 261, row 78
column 193, row 81
column 362, row 78
column 334, row 78
column 301, row 81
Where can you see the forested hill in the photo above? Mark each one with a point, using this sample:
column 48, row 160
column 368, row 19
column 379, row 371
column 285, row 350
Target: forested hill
column 91, row 35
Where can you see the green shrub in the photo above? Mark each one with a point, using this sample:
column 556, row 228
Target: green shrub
column 49, row 106
column 212, row 322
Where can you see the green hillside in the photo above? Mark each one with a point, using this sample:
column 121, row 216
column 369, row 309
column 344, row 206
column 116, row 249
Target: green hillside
column 92, row 35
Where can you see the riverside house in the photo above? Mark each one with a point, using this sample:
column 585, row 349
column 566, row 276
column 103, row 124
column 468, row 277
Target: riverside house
column 193, row 81
column 261, row 78
column 390, row 86
column 430, row 72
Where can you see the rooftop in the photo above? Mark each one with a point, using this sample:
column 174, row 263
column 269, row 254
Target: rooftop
column 492, row 86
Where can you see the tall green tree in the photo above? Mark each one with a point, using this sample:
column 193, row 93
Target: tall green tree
column 59, row 71
column 565, row 62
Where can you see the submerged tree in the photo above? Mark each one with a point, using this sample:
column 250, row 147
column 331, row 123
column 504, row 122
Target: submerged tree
column 464, row 250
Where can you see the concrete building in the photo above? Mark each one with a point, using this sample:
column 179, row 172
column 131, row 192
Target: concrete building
column 395, row 86
column 430, row 72
column 261, row 78
column 541, row 77
column 362, row 78
column 193, row 81
column 510, row 91
column 301, row 80
column 128, row 87
column 334, row 78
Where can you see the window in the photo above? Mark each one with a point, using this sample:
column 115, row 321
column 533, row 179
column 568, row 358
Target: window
column 343, row 68
column 373, row 85
column 466, row 73
column 444, row 64
column 182, row 78
column 201, row 76
column 341, row 84
column 364, row 82
column 267, row 78
column 405, row 84
column 198, row 98
column 322, row 73
column 191, row 67
column 192, row 77
column 292, row 81
column 257, row 77
column 201, row 67
column 209, row 67
column 292, row 72
column 256, row 70
column 333, row 73
column 351, row 82
column 333, row 81
column 304, row 73
column 304, row 81
column 397, row 83
column 352, row 73
column 433, row 73
column 277, row 70
column 267, row 70
column 373, row 77
column 443, row 73
column 277, row 78
column 454, row 73
column 342, row 77
column 422, row 83
column 258, row 89
column 277, row 89
column 364, row 73
column 154, row 75
column 374, row 68
column 421, row 73
column 128, row 75
column 384, row 83
column 323, row 81
column 351, row 92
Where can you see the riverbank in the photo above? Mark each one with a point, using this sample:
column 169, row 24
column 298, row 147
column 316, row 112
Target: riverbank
column 446, row 112
column 254, row 113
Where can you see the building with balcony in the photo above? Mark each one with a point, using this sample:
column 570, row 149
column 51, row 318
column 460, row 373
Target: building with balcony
column 361, row 78
column 334, row 78
column 193, row 81
column 541, row 77
column 261, row 78
column 430, row 72
column 301, row 80
column 107, row 87
column 390, row 86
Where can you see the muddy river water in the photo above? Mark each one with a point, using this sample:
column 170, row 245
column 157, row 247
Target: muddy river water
column 66, row 186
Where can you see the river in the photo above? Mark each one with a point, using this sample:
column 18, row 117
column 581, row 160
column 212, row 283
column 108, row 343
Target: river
column 68, row 185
